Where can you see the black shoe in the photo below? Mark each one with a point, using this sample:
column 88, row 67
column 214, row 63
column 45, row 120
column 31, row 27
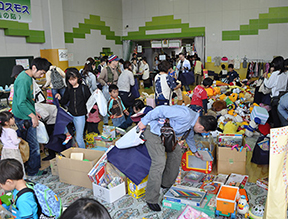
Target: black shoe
column 154, row 207
column 163, row 187
column 49, row 157
column 40, row 173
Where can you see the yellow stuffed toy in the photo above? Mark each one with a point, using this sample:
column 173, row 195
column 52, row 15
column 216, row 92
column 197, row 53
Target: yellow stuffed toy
column 231, row 128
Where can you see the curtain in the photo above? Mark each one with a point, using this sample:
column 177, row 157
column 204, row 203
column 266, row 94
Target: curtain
column 127, row 47
column 199, row 46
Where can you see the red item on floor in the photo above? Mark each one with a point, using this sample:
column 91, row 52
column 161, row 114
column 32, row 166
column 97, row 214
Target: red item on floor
column 264, row 129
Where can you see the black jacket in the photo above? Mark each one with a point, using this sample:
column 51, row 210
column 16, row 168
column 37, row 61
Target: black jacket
column 77, row 98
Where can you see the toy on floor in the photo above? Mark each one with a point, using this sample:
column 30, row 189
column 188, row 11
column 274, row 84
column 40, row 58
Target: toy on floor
column 256, row 212
column 243, row 207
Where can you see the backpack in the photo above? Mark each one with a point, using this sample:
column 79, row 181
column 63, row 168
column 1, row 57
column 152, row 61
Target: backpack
column 168, row 136
column 56, row 79
column 49, row 204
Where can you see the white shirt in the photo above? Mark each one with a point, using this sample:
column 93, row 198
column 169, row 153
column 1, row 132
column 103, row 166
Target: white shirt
column 276, row 82
column 186, row 64
column 166, row 90
column 125, row 80
column 9, row 138
column 146, row 73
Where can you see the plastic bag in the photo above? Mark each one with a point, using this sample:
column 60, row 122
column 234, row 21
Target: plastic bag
column 130, row 139
column 105, row 90
column 24, row 150
column 42, row 135
column 97, row 97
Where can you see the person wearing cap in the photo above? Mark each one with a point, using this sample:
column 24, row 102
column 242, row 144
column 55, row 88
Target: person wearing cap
column 109, row 75
column 164, row 170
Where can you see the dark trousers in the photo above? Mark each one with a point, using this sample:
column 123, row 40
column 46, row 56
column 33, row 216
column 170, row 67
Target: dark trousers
column 92, row 127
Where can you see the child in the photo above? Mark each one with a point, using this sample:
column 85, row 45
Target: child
column 199, row 98
column 86, row 208
column 223, row 72
column 140, row 110
column 76, row 95
column 11, row 179
column 232, row 74
column 9, row 138
column 177, row 91
column 93, row 120
column 116, row 107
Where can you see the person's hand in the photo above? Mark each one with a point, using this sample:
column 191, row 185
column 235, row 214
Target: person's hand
column 38, row 116
column 126, row 113
column 265, row 75
column 35, row 121
column 109, row 83
column 141, row 126
column 198, row 155
column 58, row 96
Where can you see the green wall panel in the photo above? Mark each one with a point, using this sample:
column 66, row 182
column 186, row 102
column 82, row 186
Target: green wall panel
column 274, row 16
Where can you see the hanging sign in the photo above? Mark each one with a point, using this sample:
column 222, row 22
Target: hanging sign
column 63, row 54
column 16, row 10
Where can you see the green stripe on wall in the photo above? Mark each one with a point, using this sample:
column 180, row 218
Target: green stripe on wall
column 15, row 28
column 275, row 15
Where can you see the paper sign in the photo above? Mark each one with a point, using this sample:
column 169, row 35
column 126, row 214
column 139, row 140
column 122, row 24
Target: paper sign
column 63, row 54
column 23, row 62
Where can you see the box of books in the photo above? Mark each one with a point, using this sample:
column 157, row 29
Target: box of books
column 237, row 180
column 263, row 183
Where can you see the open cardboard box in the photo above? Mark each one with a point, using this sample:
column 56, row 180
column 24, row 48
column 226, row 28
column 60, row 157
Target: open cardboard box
column 231, row 161
column 75, row 172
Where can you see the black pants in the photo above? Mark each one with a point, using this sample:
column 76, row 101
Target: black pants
column 92, row 127
column 274, row 112
column 127, row 98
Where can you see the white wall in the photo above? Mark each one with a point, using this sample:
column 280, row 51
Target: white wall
column 75, row 11
column 216, row 16
column 17, row 46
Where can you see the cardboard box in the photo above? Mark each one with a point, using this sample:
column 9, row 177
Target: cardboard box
column 231, row 161
column 109, row 195
column 75, row 171
column 137, row 191
column 54, row 167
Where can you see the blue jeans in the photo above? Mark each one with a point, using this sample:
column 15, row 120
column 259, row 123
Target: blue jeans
column 30, row 135
column 118, row 121
column 55, row 91
column 79, row 123
column 196, row 109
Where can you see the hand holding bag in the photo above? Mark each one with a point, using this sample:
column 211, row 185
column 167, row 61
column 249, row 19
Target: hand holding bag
column 130, row 139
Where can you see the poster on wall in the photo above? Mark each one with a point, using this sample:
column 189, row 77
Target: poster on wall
column 165, row 43
column 16, row 10
column 63, row 55
column 139, row 48
column 156, row 44
column 23, row 62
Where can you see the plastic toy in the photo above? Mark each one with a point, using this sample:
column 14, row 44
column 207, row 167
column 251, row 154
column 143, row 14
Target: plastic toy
column 190, row 162
column 256, row 212
column 243, row 207
column 6, row 199
column 226, row 201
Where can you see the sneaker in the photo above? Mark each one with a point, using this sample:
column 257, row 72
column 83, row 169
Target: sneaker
column 49, row 157
column 40, row 173
column 68, row 138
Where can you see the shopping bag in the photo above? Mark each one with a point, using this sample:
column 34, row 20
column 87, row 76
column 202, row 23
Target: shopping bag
column 134, row 162
column 97, row 97
column 187, row 77
column 135, row 89
column 130, row 139
column 24, row 150
column 49, row 98
column 55, row 143
column 260, row 156
column 105, row 91
column 276, row 202
column 42, row 135
column 62, row 120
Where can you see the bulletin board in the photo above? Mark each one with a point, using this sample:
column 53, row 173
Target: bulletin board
column 6, row 65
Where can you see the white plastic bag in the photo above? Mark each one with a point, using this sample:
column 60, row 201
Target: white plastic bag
column 130, row 139
column 105, row 90
column 42, row 135
column 97, row 97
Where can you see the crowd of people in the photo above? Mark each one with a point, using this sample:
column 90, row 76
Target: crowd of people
column 117, row 79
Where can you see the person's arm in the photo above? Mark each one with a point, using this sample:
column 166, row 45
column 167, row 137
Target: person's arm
column 13, row 136
column 109, row 107
column 87, row 92
column 94, row 84
column 204, row 102
column 61, row 72
column 131, row 79
column 102, row 77
column 65, row 98
column 123, row 107
column 271, row 82
column 48, row 79
column 158, row 112
column 192, row 145
column 283, row 106
column 187, row 64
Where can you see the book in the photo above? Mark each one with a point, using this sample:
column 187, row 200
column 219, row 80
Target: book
column 193, row 176
column 221, row 178
column 211, row 187
column 264, row 145
column 185, row 195
column 229, row 140
column 263, row 183
column 190, row 212
column 208, row 178
column 237, row 180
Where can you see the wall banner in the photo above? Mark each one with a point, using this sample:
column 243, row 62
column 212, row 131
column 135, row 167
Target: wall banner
column 15, row 10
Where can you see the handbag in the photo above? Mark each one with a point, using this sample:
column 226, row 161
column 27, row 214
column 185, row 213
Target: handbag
column 24, row 150
column 263, row 89
column 260, row 156
column 187, row 77
column 168, row 136
column 135, row 89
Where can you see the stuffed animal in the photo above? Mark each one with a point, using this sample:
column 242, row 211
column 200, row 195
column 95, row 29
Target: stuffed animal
column 219, row 105
column 243, row 206
column 231, row 128
column 252, row 127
